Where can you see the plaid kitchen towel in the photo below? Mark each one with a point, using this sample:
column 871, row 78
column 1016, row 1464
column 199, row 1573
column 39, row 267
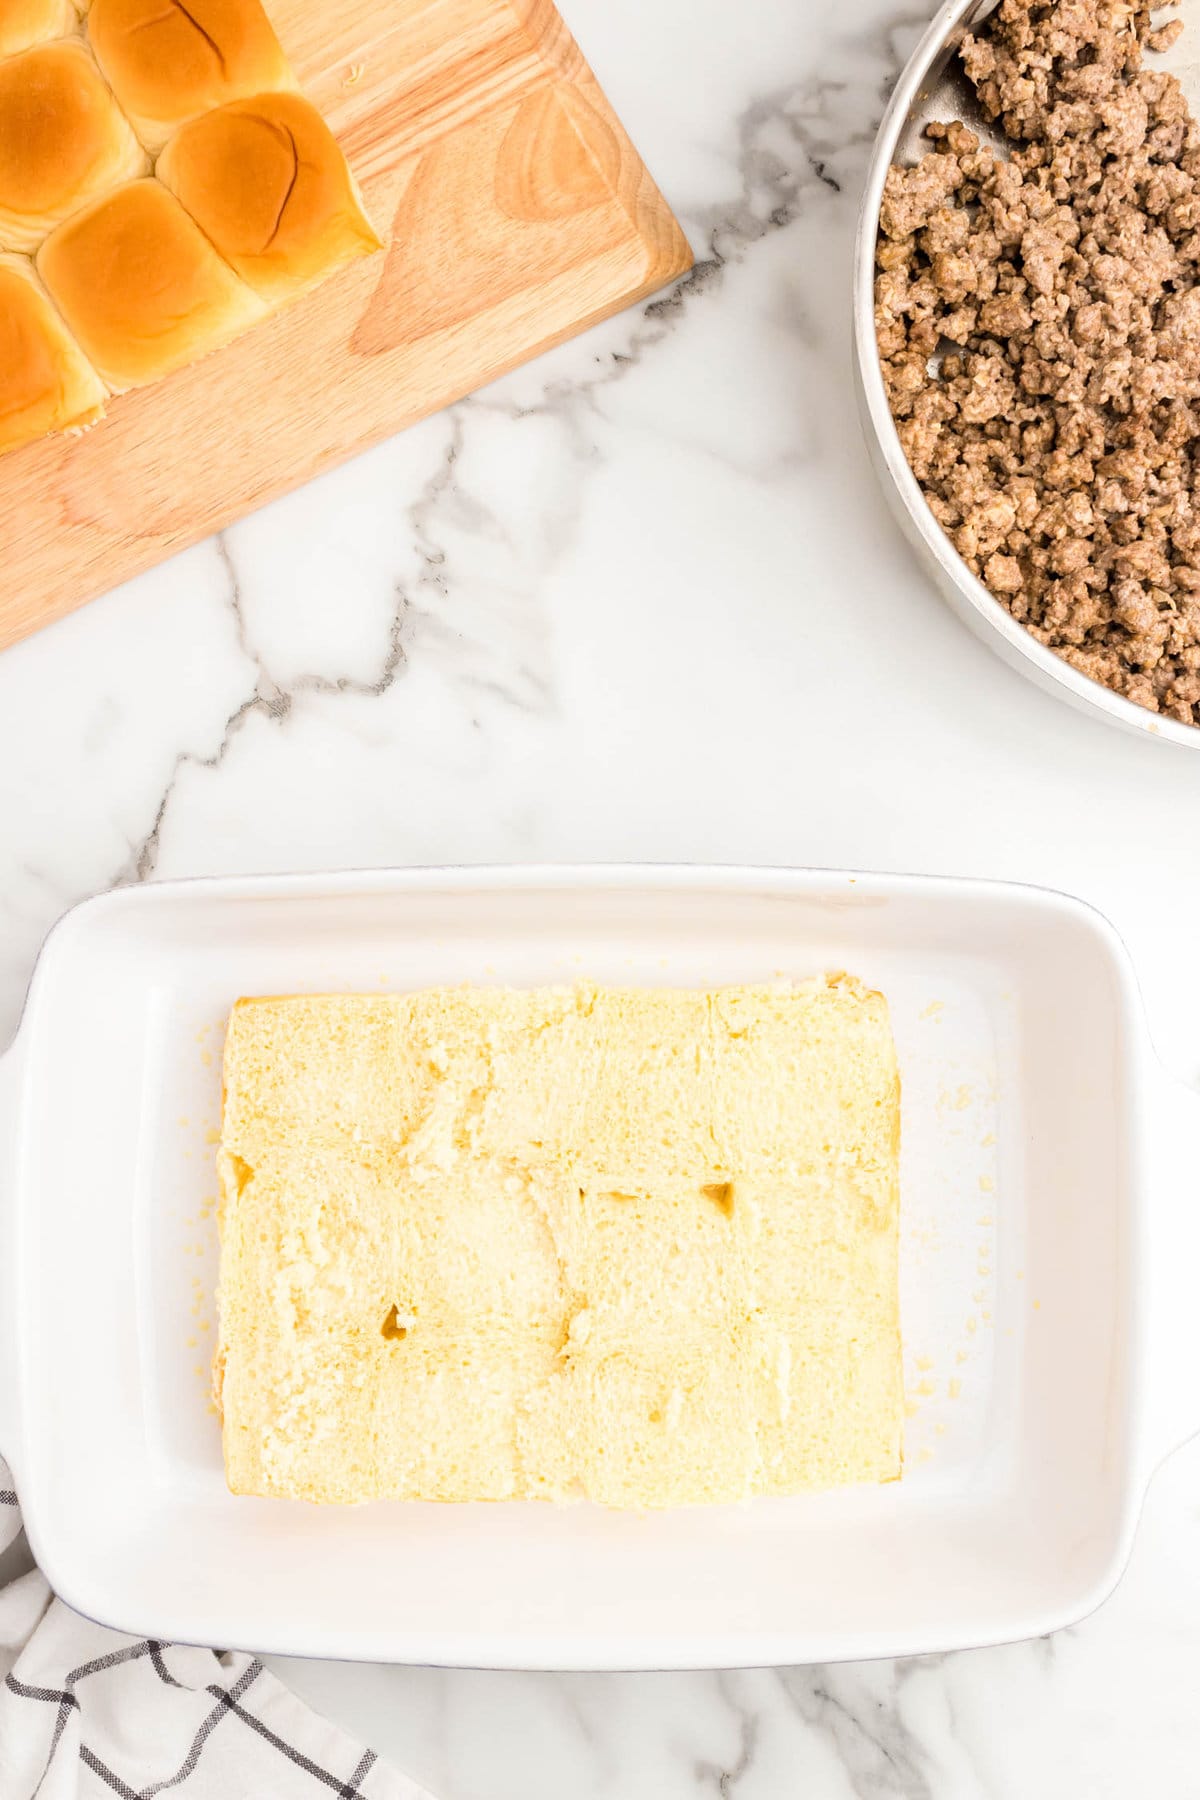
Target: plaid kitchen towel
column 87, row 1713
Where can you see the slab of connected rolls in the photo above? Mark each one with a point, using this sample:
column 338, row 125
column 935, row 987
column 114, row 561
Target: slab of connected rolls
column 163, row 185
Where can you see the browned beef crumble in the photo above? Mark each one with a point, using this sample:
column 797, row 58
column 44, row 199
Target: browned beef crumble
column 1038, row 318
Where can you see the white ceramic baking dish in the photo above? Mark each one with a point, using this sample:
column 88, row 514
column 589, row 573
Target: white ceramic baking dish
column 1050, row 1242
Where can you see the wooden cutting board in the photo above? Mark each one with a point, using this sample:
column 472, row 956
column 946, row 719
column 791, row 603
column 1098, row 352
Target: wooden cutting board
column 515, row 212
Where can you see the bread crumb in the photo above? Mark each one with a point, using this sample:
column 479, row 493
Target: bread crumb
column 353, row 75
column 954, row 1387
column 955, row 1099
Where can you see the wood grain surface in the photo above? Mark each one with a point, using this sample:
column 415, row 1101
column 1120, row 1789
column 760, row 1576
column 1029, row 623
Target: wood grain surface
column 515, row 212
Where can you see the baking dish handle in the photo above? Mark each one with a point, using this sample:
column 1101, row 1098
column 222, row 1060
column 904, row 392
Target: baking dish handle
column 10, row 1082
column 1172, row 1373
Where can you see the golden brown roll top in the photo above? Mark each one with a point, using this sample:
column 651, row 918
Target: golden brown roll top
column 46, row 384
column 63, row 140
column 141, row 286
column 143, row 273
column 266, row 182
column 169, row 63
column 27, row 22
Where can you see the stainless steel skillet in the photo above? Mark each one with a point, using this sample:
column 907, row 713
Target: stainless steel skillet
column 932, row 86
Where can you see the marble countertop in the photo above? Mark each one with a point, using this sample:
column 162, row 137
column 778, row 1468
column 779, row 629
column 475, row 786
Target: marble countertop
column 642, row 600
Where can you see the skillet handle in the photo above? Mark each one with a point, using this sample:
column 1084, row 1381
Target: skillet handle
column 1172, row 1372
column 11, row 1069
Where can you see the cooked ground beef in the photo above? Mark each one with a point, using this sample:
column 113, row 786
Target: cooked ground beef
column 1038, row 317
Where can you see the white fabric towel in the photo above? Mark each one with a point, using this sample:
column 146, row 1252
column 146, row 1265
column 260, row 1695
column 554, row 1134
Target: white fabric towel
column 89, row 1714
